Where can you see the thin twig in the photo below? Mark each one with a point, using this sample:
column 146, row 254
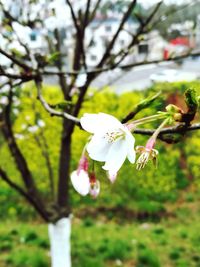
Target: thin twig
column 15, row 60
column 169, row 130
column 122, row 67
column 50, row 110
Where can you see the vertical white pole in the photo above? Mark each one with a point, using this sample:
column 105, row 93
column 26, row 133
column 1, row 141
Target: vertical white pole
column 59, row 235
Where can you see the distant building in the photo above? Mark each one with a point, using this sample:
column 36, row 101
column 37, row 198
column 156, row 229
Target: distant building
column 99, row 34
column 198, row 31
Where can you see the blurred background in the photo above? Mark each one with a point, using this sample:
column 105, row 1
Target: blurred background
column 147, row 218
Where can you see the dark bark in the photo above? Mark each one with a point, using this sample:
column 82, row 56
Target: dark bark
column 20, row 161
column 63, row 201
column 22, row 192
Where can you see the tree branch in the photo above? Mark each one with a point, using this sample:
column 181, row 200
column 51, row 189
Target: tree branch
column 59, row 63
column 135, row 40
column 112, row 42
column 87, row 13
column 19, row 158
column 169, row 130
column 26, row 78
column 73, row 16
column 21, row 191
column 15, row 60
column 44, row 151
column 93, row 13
column 122, row 67
column 50, row 110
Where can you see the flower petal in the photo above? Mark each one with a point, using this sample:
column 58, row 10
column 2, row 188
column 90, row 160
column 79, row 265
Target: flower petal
column 116, row 156
column 98, row 147
column 81, row 182
column 131, row 152
column 101, row 122
column 112, row 176
column 109, row 122
column 90, row 122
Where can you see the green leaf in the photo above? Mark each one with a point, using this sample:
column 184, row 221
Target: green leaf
column 53, row 57
column 191, row 99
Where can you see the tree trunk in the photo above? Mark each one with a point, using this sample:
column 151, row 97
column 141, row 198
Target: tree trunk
column 59, row 235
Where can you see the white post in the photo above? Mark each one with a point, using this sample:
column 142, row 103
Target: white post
column 59, row 235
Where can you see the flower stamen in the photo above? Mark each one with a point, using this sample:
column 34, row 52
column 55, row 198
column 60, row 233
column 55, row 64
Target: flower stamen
column 113, row 136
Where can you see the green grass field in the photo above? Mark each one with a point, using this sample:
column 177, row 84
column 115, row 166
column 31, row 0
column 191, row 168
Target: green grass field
column 97, row 241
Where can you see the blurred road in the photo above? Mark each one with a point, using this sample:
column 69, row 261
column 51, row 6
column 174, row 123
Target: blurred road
column 137, row 78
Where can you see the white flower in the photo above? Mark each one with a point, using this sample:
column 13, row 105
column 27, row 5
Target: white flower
column 4, row 100
column 19, row 136
column 33, row 129
column 40, row 123
column 15, row 111
column 111, row 142
column 23, row 126
column 16, row 101
column 81, row 182
column 5, row 88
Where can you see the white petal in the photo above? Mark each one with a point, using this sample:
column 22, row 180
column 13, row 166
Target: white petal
column 90, row 122
column 112, row 176
column 116, row 156
column 131, row 152
column 109, row 122
column 101, row 122
column 98, row 148
column 81, row 182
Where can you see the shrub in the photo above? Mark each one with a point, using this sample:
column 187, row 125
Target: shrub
column 30, row 237
column 147, row 258
column 175, row 254
column 117, row 249
column 26, row 258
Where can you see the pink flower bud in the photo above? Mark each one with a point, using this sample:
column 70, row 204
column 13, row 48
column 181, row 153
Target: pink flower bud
column 83, row 164
column 94, row 186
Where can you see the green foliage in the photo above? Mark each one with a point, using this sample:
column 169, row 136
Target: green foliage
column 115, row 249
column 52, row 58
column 175, row 254
column 191, row 99
column 104, row 243
column 147, row 258
column 27, row 259
column 30, row 237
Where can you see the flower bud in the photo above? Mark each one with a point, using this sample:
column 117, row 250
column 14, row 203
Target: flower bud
column 94, row 186
column 177, row 116
column 173, row 109
column 83, row 164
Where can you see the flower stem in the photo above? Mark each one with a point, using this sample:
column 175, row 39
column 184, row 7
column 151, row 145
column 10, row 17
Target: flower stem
column 157, row 131
column 132, row 125
column 151, row 118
